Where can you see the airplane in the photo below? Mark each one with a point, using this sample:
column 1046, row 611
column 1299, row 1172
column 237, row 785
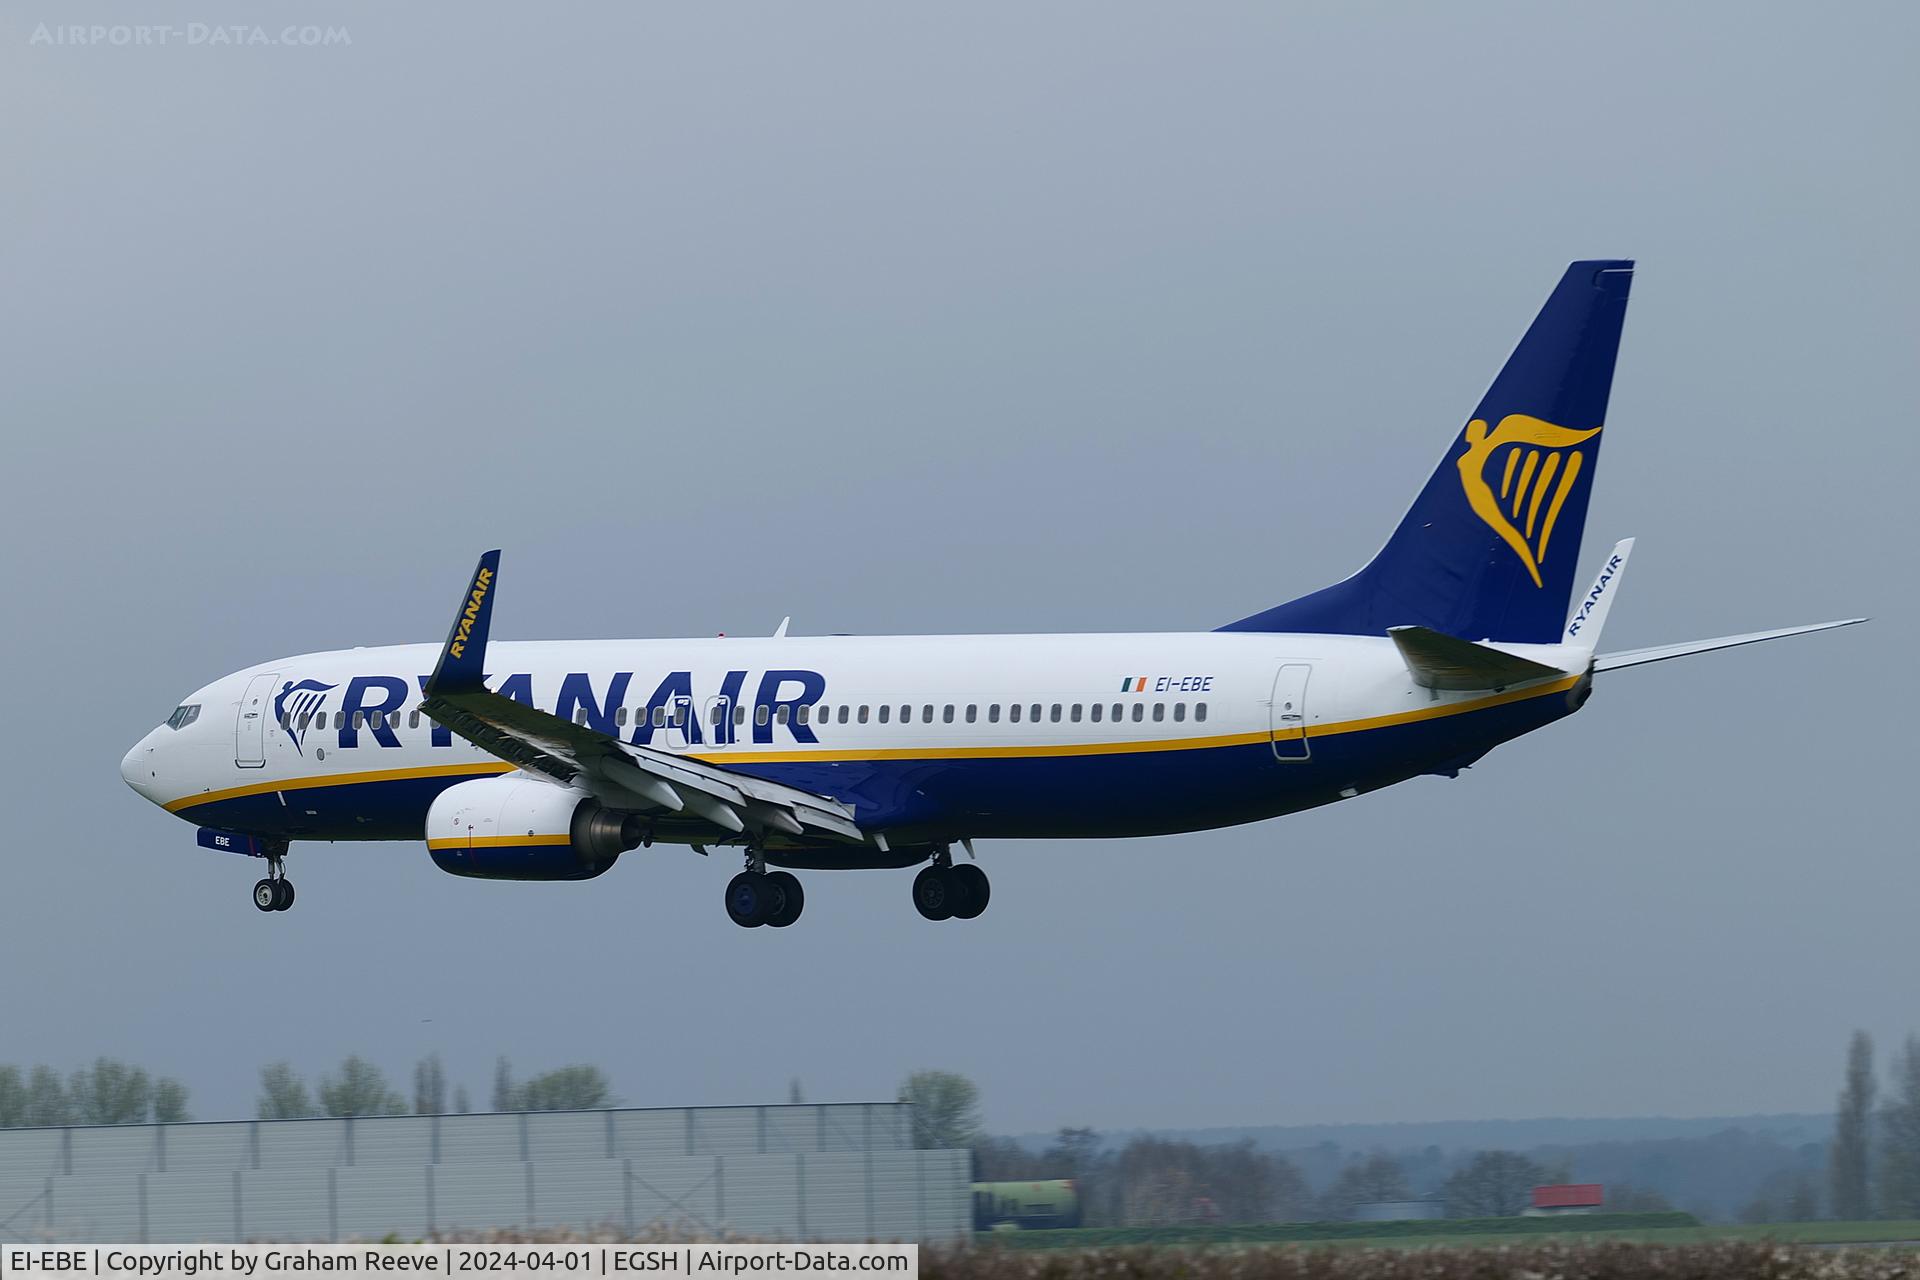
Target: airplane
column 547, row 760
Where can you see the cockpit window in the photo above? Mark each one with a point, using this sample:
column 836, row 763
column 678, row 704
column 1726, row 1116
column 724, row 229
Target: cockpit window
column 183, row 716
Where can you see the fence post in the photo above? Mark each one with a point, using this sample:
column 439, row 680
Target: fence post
column 66, row 1152
column 160, row 1146
column 347, row 1133
column 239, row 1219
column 526, row 1144
column 431, row 1219
column 719, row 1194
column 532, row 1215
column 333, row 1206
column 800, row 1176
column 49, row 1206
column 609, row 1135
column 435, row 1157
column 626, row 1191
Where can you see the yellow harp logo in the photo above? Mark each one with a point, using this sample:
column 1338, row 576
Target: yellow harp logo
column 1533, row 453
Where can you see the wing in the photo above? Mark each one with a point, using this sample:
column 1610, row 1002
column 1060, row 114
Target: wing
column 618, row 774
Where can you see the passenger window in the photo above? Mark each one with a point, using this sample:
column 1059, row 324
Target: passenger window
column 886, row 709
column 1119, row 712
column 993, row 714
column 843, row 714
column 620, row 717
column 1013, row 713
column 1179, row 711
column 973, row 712
column 1054, row 714
column 1139, row 711
column 740, row 714
column 946, row 714
column 800, row 714
column 1075, row 713
column 783, row 714
column 1035, row 716
column 1098, row 709
column 906, row 715
column 413, row 719
column 359, row 719
column 1159, row 712
column 863, row 713
column 659, row 717
column 760, row 715
column 305, row 719
column 926, row 714
column 339, row 719
column 1199, row 711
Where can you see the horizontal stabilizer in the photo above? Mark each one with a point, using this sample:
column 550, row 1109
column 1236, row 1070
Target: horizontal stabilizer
column 1441, row 661
column 1660, row 653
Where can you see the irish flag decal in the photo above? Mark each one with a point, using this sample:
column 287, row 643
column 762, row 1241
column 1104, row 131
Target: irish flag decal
column 1134, row 684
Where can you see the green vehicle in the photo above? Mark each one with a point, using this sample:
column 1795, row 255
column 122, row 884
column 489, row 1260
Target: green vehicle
column 1026, row 1205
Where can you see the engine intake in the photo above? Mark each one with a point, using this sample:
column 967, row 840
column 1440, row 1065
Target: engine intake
column 520, row 828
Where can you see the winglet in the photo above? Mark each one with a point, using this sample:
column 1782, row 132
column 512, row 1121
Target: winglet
column 1589, row 616
column 462, row 664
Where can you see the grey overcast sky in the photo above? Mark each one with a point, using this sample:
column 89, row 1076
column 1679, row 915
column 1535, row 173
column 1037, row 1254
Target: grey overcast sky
column 975, row 317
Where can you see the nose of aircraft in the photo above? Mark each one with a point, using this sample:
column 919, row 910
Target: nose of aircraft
column 136, row 767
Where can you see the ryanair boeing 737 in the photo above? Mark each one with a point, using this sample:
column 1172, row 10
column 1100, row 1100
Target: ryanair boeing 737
column 546, row 760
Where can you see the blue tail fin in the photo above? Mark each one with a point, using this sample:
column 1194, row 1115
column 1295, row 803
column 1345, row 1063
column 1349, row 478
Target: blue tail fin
column 1488, row 550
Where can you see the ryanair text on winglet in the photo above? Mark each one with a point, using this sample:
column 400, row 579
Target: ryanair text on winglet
column 481, row 582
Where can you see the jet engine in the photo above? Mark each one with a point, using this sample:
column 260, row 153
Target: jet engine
column 520, row 828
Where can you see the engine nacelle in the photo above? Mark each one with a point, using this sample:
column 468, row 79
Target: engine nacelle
column 520, row 828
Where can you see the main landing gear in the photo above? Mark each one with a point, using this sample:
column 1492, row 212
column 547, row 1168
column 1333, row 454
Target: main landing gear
column 946, row 892
column 757, row 896
column 275, row 893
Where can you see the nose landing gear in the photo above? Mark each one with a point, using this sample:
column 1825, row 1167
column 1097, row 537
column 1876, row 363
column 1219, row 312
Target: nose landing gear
column 275, row 893
column 943, row 891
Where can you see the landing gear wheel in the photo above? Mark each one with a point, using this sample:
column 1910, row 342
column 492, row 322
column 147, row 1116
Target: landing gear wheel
column 285, row 896
column 750, row 899
column 977, row 890
column 266, row 895
column 792, row 899
column 937, row 895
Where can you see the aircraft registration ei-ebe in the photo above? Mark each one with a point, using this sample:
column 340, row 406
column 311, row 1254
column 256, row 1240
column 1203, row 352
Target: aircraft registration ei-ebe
column 546, row 760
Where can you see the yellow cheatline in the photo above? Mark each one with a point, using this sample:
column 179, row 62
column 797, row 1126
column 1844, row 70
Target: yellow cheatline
column 481, row 768
column 1131, row 748
column 498, row 842
column 473, row 768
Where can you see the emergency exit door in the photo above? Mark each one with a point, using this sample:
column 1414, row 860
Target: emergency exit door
column 1289, row 715
column 250, row 727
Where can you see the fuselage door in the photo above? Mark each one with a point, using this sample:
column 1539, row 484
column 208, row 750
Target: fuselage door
column 1290, row 712
column 680, row 727
column 250, row 727
column 718, row 721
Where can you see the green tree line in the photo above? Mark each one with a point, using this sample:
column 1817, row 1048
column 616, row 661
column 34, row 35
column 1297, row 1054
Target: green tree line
column 106, row 1092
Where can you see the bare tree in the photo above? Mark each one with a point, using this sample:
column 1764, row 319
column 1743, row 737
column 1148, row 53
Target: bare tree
column 502, row 1085
column 462, row 1104
column 283, row 1094
column 1849, row 1157
column 1900, row 1136
column 1368, row 1181
column 429, row 1086
column 946, row 1109
column 1494, row 1184
column 359, row 1090
column 13, row 1097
